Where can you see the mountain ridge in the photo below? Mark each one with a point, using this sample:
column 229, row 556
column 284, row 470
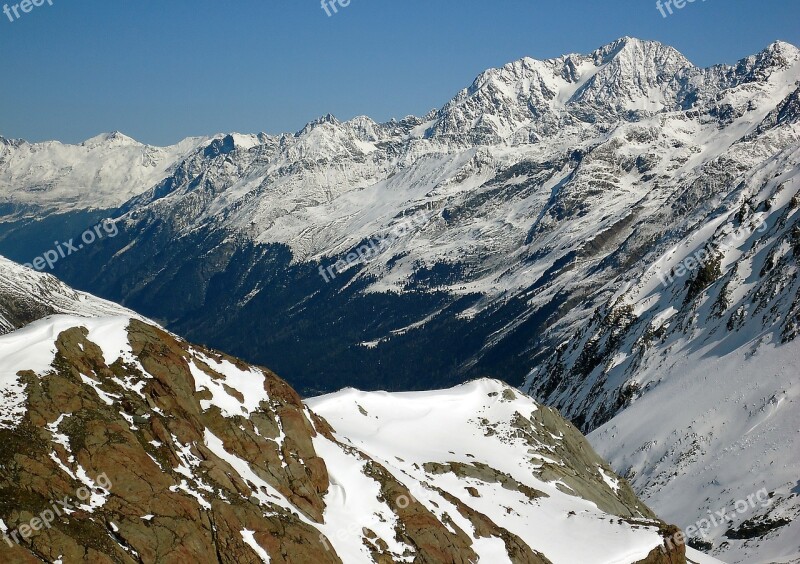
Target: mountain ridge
column 603, row 55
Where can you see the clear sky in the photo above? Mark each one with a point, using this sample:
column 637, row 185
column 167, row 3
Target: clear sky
column 163, row 70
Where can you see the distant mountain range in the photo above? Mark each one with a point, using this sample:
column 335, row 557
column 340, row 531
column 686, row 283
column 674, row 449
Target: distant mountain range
column 565, row 205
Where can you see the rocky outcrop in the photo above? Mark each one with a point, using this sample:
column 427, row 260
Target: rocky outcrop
column 171, row 499
column 135, row 446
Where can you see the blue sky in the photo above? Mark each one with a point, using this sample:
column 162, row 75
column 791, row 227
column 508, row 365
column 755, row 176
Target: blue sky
column 160, row 71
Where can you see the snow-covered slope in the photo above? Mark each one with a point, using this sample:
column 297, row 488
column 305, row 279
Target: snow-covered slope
column 26, row 296
column 717, row 424
column 697, row 347
column 190, row 455
column 484, row 446
column 701, row 356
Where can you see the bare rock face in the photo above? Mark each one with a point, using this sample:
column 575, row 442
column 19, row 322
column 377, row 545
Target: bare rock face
column 669, row 552
column 135, row 446
column 171, row 498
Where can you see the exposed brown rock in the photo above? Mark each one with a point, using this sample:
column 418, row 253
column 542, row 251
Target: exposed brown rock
column 671, row 552
column 484, row 473
column 581, row 469
column 143, row 476
column 418, row 527
column 518, row 551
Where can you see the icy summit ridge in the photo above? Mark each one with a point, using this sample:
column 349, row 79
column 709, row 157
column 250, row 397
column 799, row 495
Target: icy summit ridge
column 630, row 54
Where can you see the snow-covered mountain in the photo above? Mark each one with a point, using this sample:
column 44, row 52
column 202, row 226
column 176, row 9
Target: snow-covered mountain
column 523, row 231
column 713, row 422
column 161, row 451
column 703, row 361
column 101, row 173
column 515, row 228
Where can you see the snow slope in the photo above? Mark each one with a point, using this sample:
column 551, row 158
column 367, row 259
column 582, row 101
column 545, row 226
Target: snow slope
column 26, row 295
column 716, row 427
column 695, row 364
column 409, row 433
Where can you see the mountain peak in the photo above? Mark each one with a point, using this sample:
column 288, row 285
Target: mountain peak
column 639, row 50
column 113, row 138
column 783, row 48
column 529, row 99
column 310, row 126
column 10, row 142
column 626, row 41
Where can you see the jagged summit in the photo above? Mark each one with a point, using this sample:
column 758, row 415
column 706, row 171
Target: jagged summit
column 784, row 48
column 112, row 138
column 310, row 126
